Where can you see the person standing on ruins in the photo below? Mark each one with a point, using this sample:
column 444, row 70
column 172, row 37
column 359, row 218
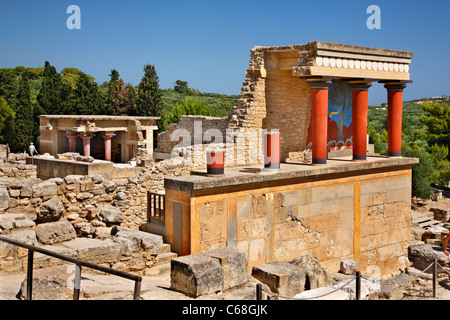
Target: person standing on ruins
column 32, row 149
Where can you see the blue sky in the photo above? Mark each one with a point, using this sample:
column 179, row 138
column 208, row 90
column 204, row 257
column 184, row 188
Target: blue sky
column 207, row 43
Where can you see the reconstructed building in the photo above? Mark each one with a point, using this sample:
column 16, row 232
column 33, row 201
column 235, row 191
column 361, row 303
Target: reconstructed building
column 316, row 96
column 111, row 138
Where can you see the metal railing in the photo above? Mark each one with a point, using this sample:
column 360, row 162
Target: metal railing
column 156, row 206
column 78, row 264
column 358, row 276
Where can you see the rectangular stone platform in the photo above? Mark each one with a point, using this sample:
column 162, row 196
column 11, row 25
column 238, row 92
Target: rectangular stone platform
column 358, row 210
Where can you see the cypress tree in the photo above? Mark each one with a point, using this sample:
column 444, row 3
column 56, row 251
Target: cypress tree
column 87, row 98
column 149, row 96
column 23, row 121
column 49, row 97
column 116, row 97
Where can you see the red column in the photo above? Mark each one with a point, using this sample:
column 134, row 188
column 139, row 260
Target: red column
column 319, row 120
column 108, row 136
column 215, row 162
column 72, row 136
column 395, row 106
column 272, row 142
column 360, row 100
column 87, row 143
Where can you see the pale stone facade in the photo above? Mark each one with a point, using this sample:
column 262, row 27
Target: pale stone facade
column 112, row 138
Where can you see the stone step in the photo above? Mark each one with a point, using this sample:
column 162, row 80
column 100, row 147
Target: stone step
column 428, row 223
column 165, row 258
column 155, row 228
column 166, row 248
column 164, row 268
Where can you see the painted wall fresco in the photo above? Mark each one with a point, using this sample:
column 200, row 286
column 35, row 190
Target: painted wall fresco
column 339, row 118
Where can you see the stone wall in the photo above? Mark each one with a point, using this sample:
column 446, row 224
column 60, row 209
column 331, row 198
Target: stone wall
column 196, row 126
column 365, row 218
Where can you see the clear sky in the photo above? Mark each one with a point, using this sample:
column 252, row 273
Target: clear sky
column 207, row 43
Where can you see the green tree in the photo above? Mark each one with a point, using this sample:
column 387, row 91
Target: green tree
column 130, row 100
column 114, row 100
column 49, row 97
column 6, row 121
column 421, row 172
column 87, row 98
column 181, row 86
column 438, row 155
column 189, row 106
column 149, row 96
column 437, row 121
column 8, row 86
column 23, row 121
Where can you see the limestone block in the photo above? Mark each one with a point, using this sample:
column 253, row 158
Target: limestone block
column 112, row 215
column 51, row 210
column 317, row 276
column 54, row 232
column 196, row 275
column 234, row 264
column 146, row 241
column 4, row 198
column 95, row 250
column 348, row 267
column 283, row 278
column 422, row 255
column 51, row 283
column 26, row 191
column 44, row 189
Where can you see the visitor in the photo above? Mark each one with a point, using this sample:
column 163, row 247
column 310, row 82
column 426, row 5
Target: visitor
column 32, row 149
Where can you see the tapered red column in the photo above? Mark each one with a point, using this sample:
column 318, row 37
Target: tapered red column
column 272, row 142
column 72, row 137
column 87, row 143
column 319, row 120
column 107, row 136
column 395, row 105
column 360, row 100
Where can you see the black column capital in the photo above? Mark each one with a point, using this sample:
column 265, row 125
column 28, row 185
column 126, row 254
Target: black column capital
column 320, row 84
column 360, row 86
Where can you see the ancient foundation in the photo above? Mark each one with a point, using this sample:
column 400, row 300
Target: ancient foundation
column 343, row 210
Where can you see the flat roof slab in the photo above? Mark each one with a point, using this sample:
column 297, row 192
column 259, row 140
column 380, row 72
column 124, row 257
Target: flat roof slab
column 249, row 175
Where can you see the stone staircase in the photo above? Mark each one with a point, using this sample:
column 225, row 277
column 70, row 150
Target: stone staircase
column 165, row 255
column 424, row 220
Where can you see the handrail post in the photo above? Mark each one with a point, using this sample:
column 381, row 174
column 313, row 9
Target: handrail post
column 77, row 283
column 29, row 295
column 435, row 278
column 137, row 290
column 358, row 285
column 258, row 291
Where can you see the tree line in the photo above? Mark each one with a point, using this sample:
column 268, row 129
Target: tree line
column 26, row 93
column 425, row 135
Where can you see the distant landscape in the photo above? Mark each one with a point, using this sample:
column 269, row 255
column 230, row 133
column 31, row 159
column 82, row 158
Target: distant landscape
column 25, row 93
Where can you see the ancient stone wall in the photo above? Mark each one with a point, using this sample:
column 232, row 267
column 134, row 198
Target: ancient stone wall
column 363, row 218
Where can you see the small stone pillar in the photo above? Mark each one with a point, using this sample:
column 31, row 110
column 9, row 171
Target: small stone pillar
column 108, row 136
column 72, row 137
column 395, row 106
column 87, row 143
column 272, row 143
column 215, row 162
column 360, row 100
column 319, row 119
